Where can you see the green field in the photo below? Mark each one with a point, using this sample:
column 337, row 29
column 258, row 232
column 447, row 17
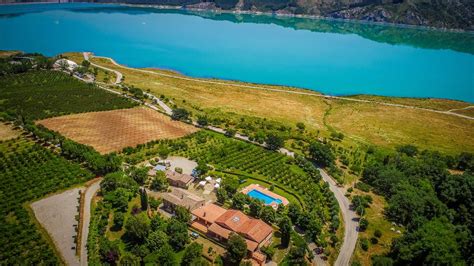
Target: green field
column 43, row 94
column 29, row 172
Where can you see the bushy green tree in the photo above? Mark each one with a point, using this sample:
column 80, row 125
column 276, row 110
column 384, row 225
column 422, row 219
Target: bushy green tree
column 156, row 240
column 434, row 243
column 180, row 114
column 159, row 182
column 192, row 254
column 137, row 227
column 274, row 142
column 182, row 214
column 321, row 154
column 179, row 231
column 236, row 249
column 285, row 230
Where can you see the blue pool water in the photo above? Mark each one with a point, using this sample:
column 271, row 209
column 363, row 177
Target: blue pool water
column 333, row 57
column 263, row 197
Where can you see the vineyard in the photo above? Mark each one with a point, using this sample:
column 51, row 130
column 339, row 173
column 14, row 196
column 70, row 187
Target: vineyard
column 43, row 94
column 114, row 130
column 29, row 172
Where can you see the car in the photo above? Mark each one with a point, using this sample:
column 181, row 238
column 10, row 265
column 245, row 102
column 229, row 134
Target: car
column 194, row 235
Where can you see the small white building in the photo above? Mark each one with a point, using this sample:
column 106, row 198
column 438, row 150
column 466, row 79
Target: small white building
column 70, row 65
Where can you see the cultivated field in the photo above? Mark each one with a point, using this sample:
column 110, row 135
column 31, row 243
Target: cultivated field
column 111, row 131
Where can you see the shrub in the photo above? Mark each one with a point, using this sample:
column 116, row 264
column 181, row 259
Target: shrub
column 364, row 244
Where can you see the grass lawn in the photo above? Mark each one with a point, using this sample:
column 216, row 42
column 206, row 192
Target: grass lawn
column 114, row 235
column 376, row 221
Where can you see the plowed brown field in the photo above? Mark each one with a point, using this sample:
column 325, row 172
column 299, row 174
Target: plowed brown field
column 111, row 131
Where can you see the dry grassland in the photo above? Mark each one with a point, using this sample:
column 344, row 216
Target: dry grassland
column 111, row 131
column 6, row 132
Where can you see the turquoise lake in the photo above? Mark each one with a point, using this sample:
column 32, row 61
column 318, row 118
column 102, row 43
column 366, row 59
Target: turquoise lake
column 332, row 57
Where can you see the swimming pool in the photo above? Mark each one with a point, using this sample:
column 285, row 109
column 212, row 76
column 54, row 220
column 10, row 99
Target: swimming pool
column 263, row 197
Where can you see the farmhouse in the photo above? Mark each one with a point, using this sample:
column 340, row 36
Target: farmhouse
column 181, row 197
column 219, row 223
column 179, row 180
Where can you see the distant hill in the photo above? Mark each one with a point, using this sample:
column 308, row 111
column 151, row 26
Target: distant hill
column 451, row 14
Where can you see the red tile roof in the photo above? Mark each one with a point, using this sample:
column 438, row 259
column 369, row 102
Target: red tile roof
column 253, row 229
column 209, row 212
column 219, row 230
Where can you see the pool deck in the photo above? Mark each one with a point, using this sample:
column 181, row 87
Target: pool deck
column 266, row 191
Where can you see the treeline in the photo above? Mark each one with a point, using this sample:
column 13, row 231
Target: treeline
column 435, row 205
column 80, row 153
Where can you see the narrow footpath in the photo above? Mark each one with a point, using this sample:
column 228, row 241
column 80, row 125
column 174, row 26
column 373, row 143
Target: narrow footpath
column 349, row 216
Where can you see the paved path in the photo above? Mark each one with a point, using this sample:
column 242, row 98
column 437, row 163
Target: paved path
column 60, row 225
column 89, row 194
column 118, row 75
column 350, row 221
column 449, row 112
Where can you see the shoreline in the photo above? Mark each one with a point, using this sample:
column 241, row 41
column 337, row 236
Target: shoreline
column 300, row 91
column 261, row 13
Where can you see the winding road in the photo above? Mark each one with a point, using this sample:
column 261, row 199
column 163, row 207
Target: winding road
column 349, row 216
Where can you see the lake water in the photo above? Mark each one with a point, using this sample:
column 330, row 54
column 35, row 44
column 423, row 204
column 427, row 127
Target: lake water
column 333, row 57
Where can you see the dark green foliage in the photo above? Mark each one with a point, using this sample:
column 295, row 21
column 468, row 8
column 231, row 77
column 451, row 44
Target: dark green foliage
column 118, row 220
column 179, row 231
column 180, row 114
column 29, row 172
column 137, row 227
column 421, row 193
column 144, row 199
column 230, row 132
column 109, row 251
column 116, row 180
column 159, row 182
column 381, row 261
column 236, row 249
column 409, row 150
column 364, row 243
column 182, row 214
column 221, row 194
column 129, row 259
column 192, row 254
column 255, row 207
column 203, row 121
column 377, row 233
column 139, row 174
column 268, row 214
column 156, row 240
column 165, row 256
column 360, row 203
column 226, row 4
column 118, row 199
column 297, row 253
column 433, row 243
column 321, row 154
column 239, row 200
column 274, row 142
column 154, row 203
column 285, row 230
column 43, row 94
